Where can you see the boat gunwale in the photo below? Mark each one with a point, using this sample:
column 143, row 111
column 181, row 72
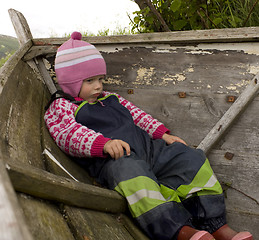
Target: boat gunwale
column 7, row 69
column 231, row 35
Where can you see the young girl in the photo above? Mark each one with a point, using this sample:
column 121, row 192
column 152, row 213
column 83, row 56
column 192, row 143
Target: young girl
column 170, row 188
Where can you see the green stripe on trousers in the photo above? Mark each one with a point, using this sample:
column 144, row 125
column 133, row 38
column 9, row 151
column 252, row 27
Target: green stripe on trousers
column 143, row 194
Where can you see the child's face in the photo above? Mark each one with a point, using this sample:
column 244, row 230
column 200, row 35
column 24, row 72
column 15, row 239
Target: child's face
column 91, row 88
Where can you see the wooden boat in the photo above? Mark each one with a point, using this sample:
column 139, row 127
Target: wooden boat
column 202, row 84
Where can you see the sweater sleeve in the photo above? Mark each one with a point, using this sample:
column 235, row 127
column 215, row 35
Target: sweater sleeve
column 152, row 126
column 72, row 137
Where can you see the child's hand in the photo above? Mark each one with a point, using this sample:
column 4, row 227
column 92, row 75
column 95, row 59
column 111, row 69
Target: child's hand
column 169, row 139
column 115, row 148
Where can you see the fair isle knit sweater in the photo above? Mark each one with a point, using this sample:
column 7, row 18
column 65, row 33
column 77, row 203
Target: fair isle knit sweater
column 79, row 141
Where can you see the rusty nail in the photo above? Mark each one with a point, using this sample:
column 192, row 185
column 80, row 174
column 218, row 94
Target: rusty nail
column 256, row 81
column 219, row 127
column 231, row 99
column 182, row 94
column 130, row 91
column 229, row 155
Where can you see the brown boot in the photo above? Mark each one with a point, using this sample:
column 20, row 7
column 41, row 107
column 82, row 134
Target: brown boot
column 226, row 233
column 189, row 233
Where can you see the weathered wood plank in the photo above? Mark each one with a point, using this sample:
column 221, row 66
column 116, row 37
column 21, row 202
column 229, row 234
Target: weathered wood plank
column 45, row 185
column 10, row 65
column 230, row 116
column 179, row 37
column 20, row 116
column 36, row 51
column 244, row 222
column 88, row 224
column 44, row 219
column 45, row 75
column 12, row 225
column 242, row 179
column 21, row 26
column 131, row 227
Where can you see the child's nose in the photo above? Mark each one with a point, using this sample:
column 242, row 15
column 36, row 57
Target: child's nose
column 98, row 85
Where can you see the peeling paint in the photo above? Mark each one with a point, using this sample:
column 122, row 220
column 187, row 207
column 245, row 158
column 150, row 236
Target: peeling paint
column 149, row 75
column 253, row 69
column 243, row 83
column 180, row 77
column 172, row 78
column 249, row 48
column 237, row 86
column 112, row 48
column 190, row 69
column 144, row 76
column 199, row 52
column 233, row 88
column 202, row 48
column 114, row 80
column 161, row 51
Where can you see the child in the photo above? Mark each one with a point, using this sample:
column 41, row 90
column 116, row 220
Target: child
column 170, row 188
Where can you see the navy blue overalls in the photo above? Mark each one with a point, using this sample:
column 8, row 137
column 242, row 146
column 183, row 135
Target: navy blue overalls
column 166, row 186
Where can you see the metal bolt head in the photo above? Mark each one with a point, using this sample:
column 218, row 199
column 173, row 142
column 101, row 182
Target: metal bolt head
column 130, row 91
column 231, row 99
column 182, row 94
column 229, row 155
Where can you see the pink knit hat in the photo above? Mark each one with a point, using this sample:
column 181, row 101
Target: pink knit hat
column 75, row 61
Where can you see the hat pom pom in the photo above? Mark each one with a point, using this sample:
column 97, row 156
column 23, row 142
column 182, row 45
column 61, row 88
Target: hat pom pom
column 76, row 36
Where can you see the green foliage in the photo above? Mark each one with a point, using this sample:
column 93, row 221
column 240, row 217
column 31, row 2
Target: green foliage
column 197, row 14
column 8, row 45
column 3, row 60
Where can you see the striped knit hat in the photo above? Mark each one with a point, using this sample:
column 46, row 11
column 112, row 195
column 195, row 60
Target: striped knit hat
column 75, row 61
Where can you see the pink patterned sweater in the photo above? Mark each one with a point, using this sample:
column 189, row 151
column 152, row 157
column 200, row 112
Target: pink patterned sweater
column 78, row 140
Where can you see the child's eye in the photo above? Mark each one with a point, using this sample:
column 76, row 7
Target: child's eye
column 89, row 80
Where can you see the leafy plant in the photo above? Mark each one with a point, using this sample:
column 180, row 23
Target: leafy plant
column 197, row 14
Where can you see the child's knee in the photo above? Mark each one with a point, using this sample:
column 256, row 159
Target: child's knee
column 126, row 168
